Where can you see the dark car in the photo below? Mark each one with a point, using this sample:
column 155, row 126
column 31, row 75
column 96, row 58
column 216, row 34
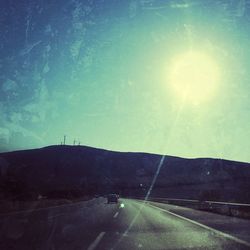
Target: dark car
column 112, row 198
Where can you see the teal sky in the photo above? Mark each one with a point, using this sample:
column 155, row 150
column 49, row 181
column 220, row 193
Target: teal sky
column 99, row 72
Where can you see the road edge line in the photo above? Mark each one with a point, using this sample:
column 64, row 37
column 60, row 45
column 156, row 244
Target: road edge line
column 228, row 236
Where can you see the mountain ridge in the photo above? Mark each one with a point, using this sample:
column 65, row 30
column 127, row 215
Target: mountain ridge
column 117, row 151
column 89, row 170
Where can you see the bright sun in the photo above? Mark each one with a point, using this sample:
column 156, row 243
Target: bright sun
column 194, row 77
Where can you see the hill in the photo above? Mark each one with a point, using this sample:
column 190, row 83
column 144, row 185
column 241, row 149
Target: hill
column 59, row 171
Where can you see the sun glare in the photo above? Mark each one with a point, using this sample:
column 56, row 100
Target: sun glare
column 194, row 77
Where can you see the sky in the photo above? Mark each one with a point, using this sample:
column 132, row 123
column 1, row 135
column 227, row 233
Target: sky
column 167, row 77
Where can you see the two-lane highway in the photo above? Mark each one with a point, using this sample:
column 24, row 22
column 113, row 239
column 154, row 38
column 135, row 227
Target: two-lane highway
column 130, row 224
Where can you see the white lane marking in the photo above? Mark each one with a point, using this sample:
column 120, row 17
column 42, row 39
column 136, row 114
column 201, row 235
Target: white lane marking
column 96, row 241
column 228, row 236
column 116, row 214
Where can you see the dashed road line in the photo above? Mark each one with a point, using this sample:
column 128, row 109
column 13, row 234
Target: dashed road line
column 116, row 214
column 228, row 236
column 95, row 243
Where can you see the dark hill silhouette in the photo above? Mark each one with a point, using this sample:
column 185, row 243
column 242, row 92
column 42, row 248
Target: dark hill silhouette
column 83, row 170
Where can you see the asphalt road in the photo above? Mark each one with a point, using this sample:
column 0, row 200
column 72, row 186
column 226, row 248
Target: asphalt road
column 130, row 224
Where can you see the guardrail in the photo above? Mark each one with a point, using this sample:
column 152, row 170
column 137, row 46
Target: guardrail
column 228, row 208
column 234, row 209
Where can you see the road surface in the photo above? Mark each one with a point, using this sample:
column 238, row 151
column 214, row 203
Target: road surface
column 130, row 224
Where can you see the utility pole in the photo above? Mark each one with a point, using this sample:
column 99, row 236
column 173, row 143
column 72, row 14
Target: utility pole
column 64, row 139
